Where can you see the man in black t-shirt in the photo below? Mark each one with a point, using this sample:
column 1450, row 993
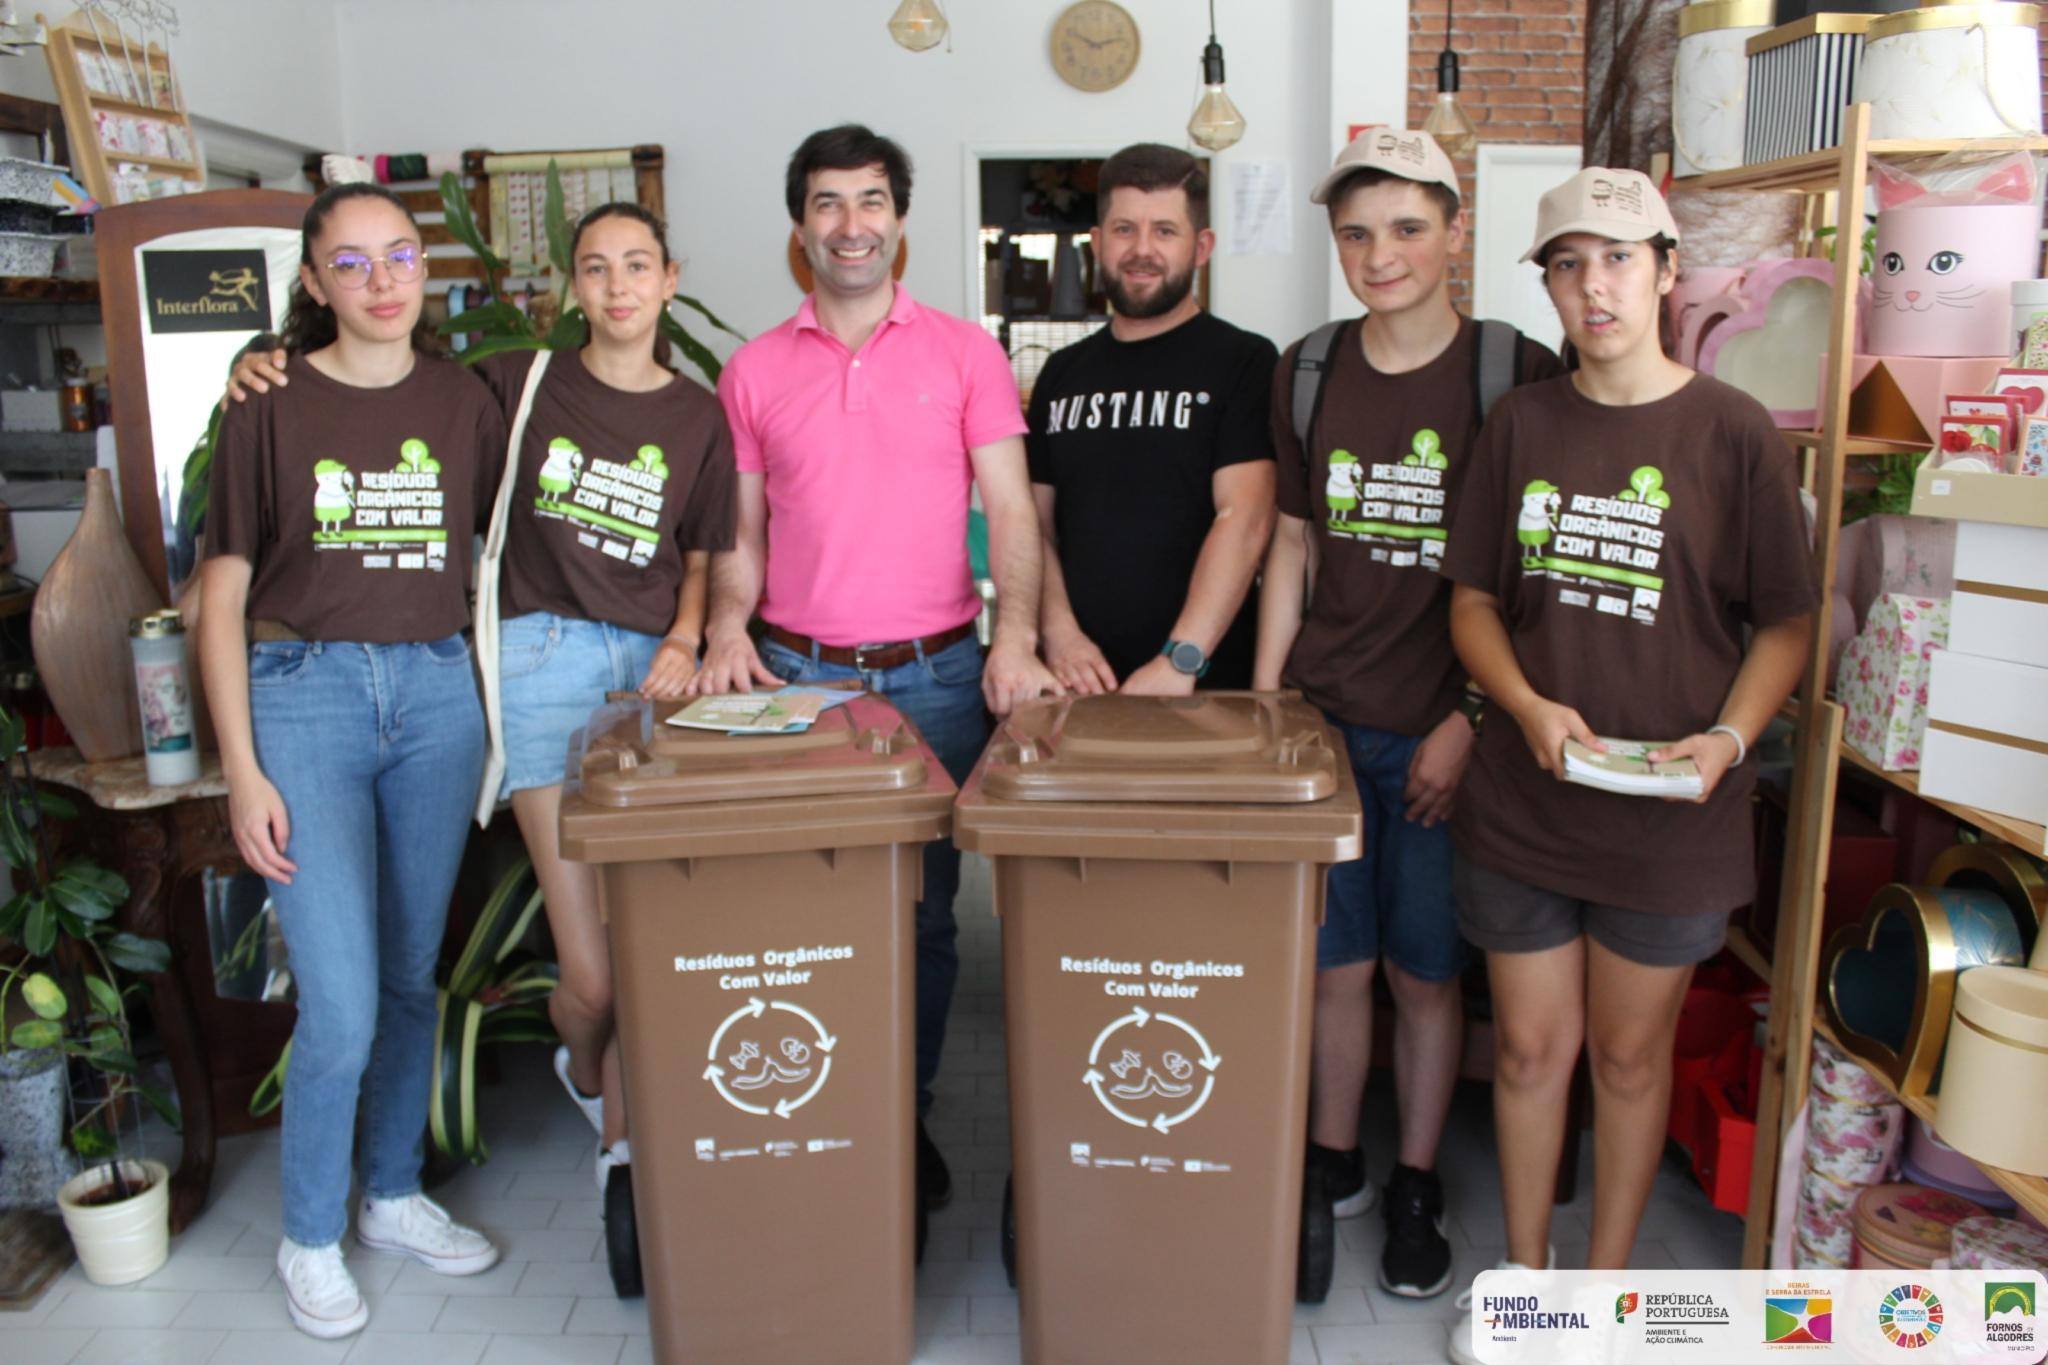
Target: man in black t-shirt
column 1151, row 455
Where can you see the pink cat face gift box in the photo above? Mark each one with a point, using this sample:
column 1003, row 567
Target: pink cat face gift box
column 1945, row 261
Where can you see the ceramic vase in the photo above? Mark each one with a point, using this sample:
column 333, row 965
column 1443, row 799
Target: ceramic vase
column 80, row 629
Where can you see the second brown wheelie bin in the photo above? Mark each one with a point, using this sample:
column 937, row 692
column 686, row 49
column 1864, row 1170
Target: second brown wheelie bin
column 760, row 895
column 1159, row 869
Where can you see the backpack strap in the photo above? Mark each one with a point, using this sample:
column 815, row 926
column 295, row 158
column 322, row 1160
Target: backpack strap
column 1496, row 363
column 1311, row 371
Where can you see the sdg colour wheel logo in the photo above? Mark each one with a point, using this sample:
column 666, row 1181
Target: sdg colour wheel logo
column 1910, row 1317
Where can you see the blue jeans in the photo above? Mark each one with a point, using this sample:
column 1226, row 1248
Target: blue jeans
column 941, row 694
column 377, row 751
column 1395, row 901
column 555, row 671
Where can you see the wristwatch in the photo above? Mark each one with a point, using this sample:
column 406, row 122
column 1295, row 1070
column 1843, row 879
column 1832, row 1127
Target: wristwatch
column 1186, row 657
column 1472, row 706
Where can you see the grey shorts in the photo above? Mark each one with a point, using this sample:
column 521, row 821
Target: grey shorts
column 1499, row 914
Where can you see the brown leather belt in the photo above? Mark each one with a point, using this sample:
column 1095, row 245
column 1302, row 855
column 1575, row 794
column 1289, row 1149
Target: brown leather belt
column 870, row 658
column 260, row 631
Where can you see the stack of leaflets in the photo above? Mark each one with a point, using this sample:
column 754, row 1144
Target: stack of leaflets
column 787, row 710
column 1626, row 768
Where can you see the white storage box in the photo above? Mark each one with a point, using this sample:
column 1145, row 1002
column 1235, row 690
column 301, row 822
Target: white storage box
column 2000, row 607
column 1710, row 83
column 1987, row 736
column 1800, row 78
column 1949, row 70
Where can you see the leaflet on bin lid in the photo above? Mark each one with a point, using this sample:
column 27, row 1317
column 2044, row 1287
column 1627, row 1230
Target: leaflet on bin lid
column 1222, row 747
column 864, row 747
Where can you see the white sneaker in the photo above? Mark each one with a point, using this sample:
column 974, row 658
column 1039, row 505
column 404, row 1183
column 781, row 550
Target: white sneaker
column 416, row 1226
column 591, row 1105
column 1461, row 1349
column 620, row 1153
column 319, row 1291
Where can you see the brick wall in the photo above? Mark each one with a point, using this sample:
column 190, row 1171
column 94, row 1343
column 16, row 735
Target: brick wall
column 1522, row 76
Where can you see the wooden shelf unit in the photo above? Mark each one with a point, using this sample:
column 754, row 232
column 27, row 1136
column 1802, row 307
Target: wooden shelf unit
column 91, row 160
column 1839, row 174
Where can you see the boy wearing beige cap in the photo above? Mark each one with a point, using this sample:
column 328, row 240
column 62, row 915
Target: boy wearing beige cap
column 1372, row 421
column 1619, row 531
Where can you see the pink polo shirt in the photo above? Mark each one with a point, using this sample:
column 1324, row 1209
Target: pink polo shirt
column 867, row 476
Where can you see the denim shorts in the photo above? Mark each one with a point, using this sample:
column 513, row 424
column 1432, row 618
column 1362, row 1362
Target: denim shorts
column 1502, row 914
column 553, row 671
column 1395, row 901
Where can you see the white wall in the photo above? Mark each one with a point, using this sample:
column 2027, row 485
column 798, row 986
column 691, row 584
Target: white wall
column 729, row 89
column 259, row 64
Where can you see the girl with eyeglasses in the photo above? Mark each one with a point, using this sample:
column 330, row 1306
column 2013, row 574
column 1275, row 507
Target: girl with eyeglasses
column 334, row 597
column 624, row 487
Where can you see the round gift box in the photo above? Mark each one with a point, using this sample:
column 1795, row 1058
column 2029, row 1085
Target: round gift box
column 1932, row 1162
column 1710, row 83
column 1907, row 1226
column 1841, row 1076
column 1827, row 1216
column 1998, row 1049
column 1997, row 1244
column 1941, row 71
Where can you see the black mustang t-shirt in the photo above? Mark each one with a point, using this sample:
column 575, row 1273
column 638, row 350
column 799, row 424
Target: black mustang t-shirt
column 1129, row 434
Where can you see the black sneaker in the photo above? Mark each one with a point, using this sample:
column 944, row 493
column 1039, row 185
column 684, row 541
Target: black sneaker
column 934, row 1181
column 1344, row 1180
column 1416, row 1262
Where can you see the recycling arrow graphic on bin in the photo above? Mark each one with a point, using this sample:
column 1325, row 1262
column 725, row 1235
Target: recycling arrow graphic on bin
column 1143, row 1056
column 761, row 1061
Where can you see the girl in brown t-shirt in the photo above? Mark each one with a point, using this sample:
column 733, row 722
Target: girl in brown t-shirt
column 623, row 488
column 340, row 520
column 1618, row 529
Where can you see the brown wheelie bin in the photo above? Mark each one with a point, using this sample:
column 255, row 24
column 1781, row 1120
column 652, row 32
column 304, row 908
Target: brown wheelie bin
column 1158, row 871
column 759, row 892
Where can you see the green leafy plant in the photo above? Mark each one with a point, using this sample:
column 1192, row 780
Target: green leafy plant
column 1826, row 237
column 498, row 326
column 1893, row 494
column 73, row 971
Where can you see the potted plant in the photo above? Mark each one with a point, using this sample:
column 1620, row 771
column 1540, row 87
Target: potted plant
column 71, row 974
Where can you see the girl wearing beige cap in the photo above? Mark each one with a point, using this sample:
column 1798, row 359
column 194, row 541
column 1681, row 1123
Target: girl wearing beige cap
column 1619, row 531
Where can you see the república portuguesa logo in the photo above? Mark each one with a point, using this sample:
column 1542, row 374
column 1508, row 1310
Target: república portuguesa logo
column 1910, row 1316
column 2009, row 1308
column 1624, row 1304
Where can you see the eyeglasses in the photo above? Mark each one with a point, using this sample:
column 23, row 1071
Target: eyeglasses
column 351, row 269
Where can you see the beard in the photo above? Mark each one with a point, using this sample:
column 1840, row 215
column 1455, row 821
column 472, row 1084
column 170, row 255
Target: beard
column 1167, row 297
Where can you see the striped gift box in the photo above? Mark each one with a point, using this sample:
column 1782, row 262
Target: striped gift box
column 1800, row 79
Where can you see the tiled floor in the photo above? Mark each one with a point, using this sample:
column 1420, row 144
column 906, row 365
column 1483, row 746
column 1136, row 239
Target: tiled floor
column 217, row 1301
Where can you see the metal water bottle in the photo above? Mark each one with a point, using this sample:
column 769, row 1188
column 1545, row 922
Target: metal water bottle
column 163, row 687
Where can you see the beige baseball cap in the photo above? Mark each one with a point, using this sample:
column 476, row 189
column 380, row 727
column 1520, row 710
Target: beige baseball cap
column 1404, row 152
column 1617, row 203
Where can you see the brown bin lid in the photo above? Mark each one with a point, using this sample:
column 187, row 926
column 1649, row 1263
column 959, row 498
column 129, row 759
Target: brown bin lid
column 643, row 789
column 1219, row 776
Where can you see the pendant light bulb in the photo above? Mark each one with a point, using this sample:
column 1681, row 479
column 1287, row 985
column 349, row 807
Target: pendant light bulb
column 918, row 25
column 1216, row 123
column 1447, row 122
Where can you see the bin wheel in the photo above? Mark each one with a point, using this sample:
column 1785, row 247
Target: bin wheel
column 1009, row 1242
column 1317, row 1263
column 621, row 1236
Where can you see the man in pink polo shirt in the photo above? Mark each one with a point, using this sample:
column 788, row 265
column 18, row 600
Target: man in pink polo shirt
column 861, row 425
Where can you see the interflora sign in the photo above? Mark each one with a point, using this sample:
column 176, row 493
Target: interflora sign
column 206, row 291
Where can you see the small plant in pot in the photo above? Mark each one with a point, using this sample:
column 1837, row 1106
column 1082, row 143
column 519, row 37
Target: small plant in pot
column 71, row 971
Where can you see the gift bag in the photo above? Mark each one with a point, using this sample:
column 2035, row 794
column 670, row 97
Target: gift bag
column 1882, row 684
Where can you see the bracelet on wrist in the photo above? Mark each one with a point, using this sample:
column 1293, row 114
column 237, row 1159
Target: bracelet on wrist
column 1741, row 745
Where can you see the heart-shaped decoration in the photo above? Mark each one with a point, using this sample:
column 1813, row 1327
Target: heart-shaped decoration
column 1772, row 349
column 1891, row 978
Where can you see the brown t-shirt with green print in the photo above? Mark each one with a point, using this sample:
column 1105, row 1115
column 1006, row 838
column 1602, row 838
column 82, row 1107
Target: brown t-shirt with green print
column 1628, row 547
column 357, row 508
column 1387, row 454
column 614, row 487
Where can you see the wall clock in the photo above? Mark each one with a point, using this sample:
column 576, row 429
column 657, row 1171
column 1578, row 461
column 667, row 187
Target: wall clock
column 1094, row 45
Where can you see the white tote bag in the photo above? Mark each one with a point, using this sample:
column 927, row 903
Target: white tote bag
column 486, row 623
